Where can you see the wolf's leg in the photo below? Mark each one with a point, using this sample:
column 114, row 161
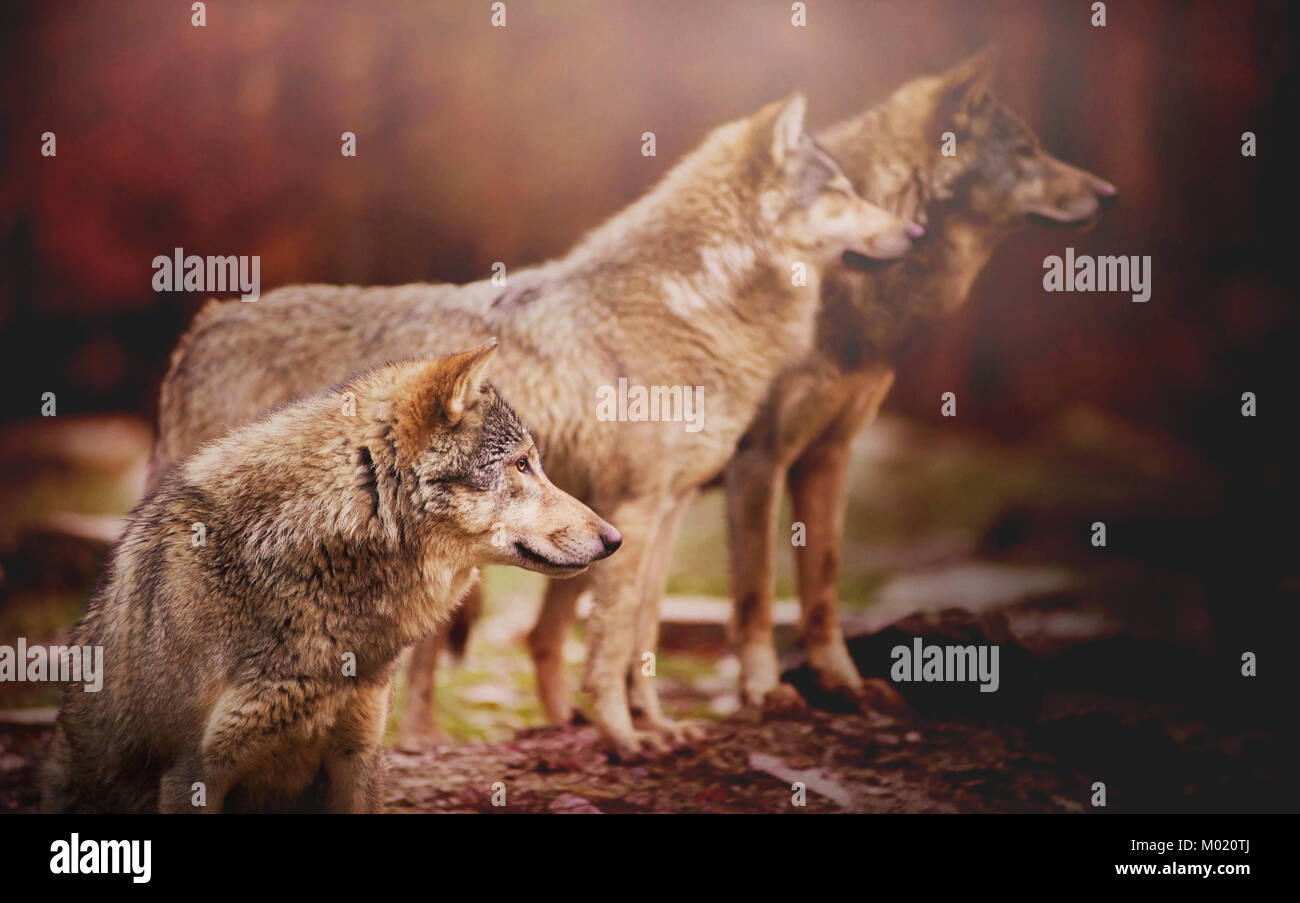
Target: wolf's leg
column 611, row 629
column 245, row 726
column 418, row 724
column 546, row 646
column 818, row 483
column 753, row 480
column 354, row 757
column 642, row 687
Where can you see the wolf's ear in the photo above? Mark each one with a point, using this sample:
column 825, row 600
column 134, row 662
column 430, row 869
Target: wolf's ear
column 464, row 376
column 436, row 393
column 781, row 127
column 962, row 88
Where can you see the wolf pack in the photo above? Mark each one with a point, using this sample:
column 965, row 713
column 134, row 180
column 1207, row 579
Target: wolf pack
column 333, row 464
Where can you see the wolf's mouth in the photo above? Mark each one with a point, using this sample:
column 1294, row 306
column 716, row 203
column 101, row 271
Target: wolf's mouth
column 1052, row 222
column 862, row 262
column 541, row 560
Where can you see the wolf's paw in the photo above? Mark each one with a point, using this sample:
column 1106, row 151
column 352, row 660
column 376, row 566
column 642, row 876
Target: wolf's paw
column 637, row 746
column 678, row 734
column 834, row 670
column 783, row 700
column 759, row 673
column 878, row 695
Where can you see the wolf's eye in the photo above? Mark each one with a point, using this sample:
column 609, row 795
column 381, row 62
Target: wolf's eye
column 1024, row 151
column 522, row 466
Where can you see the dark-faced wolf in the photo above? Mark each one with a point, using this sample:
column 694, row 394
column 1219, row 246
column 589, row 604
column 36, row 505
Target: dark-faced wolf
column 252, row 615
column 998, row 182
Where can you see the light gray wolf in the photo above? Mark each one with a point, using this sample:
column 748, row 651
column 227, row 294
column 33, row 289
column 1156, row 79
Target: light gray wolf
column 708, row 283
column 252, row 614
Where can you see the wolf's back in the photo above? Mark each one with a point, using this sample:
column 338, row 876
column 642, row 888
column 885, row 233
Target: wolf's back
column 238, row 361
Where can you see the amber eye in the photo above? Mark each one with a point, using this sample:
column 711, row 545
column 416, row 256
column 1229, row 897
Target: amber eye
column 522, row 465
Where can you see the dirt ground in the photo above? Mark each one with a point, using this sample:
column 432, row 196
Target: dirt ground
column 847, row 763
column 1112, row 670
column 1036, row 753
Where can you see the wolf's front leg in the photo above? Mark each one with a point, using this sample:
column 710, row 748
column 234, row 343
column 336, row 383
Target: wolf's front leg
column 418, row 726
column 354, row 756
column 611, row 633
column 642, row 684
column 753, row 480
column 818, row 483
column 546, row 645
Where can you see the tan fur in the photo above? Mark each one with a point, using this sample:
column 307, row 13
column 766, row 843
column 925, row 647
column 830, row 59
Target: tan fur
column 336, row 532
column 689, row 286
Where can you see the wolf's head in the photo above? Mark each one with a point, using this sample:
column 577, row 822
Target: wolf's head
column 809, row 202
column 471, row 476
column 999, row 175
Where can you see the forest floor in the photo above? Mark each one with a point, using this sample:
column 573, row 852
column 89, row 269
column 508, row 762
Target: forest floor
column 1110, row 671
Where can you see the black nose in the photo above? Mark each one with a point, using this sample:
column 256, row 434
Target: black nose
column 611, row 539
column 1107, row 193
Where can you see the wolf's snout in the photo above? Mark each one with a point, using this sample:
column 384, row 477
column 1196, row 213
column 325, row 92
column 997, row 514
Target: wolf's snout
column 1106, row 192
column 611, row 539
column 890, row 245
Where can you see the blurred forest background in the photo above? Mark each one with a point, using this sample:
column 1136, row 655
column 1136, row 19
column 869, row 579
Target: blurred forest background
column 477, row 144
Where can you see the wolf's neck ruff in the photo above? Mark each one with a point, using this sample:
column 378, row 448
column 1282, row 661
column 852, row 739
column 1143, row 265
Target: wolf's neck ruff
column 892, row 165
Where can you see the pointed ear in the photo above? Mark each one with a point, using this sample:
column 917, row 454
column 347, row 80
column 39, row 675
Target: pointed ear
column 436, row 393
column 464, row 373
column 961, row 88
column 782, row 127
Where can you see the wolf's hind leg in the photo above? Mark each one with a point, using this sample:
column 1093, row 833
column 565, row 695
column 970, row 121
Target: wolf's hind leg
column 244, row 728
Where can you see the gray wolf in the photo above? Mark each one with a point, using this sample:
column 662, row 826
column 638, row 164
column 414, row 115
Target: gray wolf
column 252, row 615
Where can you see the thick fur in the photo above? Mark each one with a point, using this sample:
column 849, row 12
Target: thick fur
column 347, row 524
column 998, row 183
column 689, row 286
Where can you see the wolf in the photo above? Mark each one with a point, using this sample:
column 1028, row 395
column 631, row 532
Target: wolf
column 999, row 182
column 253, row 612
column 708, row 281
